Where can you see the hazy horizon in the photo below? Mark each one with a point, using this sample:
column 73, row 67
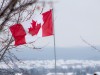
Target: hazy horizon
column 78, row 53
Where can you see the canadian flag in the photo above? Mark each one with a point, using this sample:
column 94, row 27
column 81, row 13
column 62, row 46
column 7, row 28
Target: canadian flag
column 39, row 26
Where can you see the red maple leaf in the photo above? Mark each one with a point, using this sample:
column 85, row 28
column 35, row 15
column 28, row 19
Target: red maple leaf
column 35, row 28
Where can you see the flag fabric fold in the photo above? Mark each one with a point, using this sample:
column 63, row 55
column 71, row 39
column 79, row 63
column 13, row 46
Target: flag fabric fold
column 27, row 32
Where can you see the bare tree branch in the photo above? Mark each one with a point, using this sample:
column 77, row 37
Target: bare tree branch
column 11, row 11
column 24, row 6
column 2, row 5
column 89, row 44
column 6, row 48
column 10, row 5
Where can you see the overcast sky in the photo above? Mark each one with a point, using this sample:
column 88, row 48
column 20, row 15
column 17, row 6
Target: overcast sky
column 75, row 18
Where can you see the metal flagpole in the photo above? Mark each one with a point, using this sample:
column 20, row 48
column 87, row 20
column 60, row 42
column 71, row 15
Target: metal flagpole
column 54, row 39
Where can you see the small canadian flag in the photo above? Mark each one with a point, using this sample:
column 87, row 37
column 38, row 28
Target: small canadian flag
column 39, row 26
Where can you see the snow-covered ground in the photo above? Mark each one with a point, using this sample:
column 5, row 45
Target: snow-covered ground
column 50, row 64
column 47, row 67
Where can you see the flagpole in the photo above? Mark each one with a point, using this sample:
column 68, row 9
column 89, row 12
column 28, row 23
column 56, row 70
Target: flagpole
column 54, row 39
column 55, row 62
